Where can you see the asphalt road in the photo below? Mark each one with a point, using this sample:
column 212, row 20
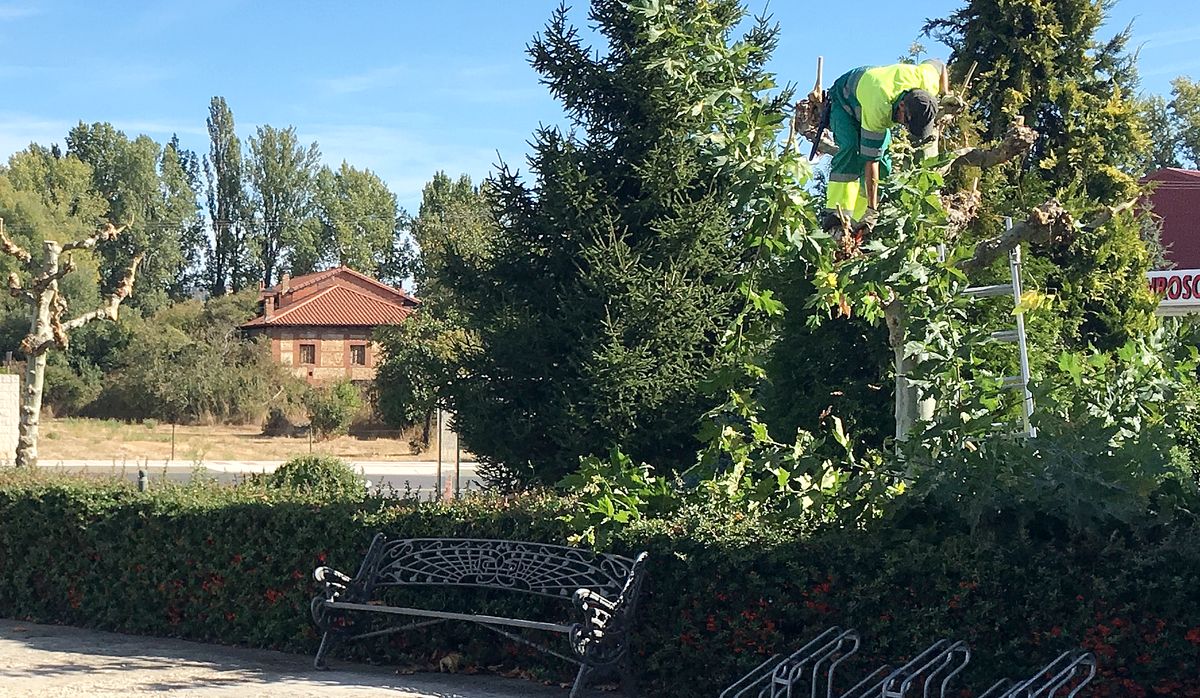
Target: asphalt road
column 420, row 476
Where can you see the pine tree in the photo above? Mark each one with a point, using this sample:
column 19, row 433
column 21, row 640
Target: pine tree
column 602, row 306
column 1042, row 61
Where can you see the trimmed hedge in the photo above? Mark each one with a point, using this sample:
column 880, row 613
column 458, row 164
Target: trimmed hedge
column 233, row 566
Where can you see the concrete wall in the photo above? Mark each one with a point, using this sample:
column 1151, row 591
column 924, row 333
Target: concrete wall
column 10, row 417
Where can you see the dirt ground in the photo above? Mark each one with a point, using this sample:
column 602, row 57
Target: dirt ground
column 96, row 439
column 51, row 661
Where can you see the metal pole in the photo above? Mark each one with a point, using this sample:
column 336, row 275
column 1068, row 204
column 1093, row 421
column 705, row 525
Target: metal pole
column 439, row 452
column 1014, row 267
column 172, row 440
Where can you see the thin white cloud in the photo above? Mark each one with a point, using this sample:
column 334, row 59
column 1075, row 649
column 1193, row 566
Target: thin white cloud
column 1169, row 37
column 373, row 79
column 17, row 131
column 1172, row 69
column 484, row 70
column 10, row 11
column 151, row 128
column 493, row 95
column 402, row 158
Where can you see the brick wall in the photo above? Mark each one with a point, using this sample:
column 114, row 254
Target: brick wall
column 10, row 398
column 331, row 353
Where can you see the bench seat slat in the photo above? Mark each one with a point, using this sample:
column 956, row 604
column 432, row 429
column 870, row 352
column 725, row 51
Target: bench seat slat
column 470, row 617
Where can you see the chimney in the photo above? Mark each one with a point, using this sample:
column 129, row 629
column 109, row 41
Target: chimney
column 285, row 283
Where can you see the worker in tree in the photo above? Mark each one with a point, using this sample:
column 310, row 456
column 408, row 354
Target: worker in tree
column 861, row 108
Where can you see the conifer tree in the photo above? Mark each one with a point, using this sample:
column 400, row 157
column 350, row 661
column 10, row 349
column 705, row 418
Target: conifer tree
column 1043, row 62
column 601, row 307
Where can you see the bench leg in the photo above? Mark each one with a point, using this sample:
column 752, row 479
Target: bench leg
column 328, row 642
column 580, row 680
column 628, row 678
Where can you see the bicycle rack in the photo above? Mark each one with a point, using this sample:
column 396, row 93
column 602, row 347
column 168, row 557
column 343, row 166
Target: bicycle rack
column 813, row 665
column 810, row 671
column 943, row 660
column 1071, row 668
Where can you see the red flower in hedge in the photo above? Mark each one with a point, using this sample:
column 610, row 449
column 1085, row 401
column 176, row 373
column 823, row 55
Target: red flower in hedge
column 1193, row 636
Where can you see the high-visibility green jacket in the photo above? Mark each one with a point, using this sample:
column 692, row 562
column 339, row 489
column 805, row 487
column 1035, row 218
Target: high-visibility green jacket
column 880, row 88
column 871, row 95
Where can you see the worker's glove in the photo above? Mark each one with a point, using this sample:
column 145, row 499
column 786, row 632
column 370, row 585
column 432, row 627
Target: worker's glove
column 833, row 221
column 952, row 103
column 866, row 224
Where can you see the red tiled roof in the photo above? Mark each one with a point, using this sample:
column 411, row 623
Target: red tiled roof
column 340, row 306
column 1173, row 174
column 1175, row 200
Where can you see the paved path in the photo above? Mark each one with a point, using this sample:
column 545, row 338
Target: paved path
column 49, row 661
column 417, row 475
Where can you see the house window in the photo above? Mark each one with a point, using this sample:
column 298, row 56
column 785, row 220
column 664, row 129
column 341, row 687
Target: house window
column 358, row 354
column 308, row 353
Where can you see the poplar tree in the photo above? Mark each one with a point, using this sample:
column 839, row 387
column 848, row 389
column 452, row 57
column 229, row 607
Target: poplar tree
column 229, row 266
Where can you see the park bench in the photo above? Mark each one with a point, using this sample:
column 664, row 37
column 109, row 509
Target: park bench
column 603, row 588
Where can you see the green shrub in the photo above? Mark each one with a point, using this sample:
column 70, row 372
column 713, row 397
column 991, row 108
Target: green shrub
column 322, row 475
column 278, row 423
column 332, row 408
column 67, row 391
column 724, row 591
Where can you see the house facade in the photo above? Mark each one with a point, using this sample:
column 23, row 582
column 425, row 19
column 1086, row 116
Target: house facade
column 1175, row 202
column 320, row 325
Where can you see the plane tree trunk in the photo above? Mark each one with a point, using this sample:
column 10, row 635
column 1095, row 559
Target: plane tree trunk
column 47, row 329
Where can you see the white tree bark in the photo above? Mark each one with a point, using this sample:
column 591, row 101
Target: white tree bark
column 910, row 408
column 46, row 328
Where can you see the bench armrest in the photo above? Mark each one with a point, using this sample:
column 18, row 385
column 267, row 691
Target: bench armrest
column 603, row 636
column 333, row 583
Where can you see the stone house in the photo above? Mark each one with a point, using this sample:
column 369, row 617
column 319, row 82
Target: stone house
column 321, row 324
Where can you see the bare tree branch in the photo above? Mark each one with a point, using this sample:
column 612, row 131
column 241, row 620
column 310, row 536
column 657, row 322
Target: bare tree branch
column 108, row 232
column 16, row 290
column 11, row 248
column 43, row 281
column 1018, row 140
column 1047, row 223
column 807, row 120
column 111, row 306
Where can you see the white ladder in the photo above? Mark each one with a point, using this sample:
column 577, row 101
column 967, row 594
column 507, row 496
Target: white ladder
column 1016, row 335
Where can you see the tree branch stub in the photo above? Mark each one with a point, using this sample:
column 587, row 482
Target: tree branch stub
column 11, row 248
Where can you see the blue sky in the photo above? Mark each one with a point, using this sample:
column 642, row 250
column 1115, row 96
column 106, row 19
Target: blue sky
column 402, row 88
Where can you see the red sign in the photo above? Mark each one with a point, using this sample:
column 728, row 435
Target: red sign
column 1179, row 290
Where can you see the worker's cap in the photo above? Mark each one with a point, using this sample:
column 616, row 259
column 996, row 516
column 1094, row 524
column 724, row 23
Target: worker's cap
column 922, row 111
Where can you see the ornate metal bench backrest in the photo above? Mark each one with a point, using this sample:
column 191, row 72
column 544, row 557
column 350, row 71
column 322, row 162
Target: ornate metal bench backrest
column 535, row 568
